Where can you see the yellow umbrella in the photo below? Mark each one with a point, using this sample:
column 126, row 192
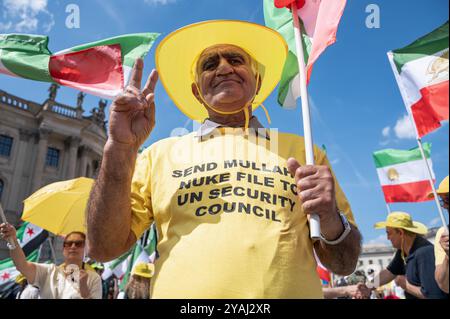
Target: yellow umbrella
column 59, row 207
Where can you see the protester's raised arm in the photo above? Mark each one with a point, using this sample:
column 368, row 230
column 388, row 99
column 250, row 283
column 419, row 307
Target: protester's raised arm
column 132, row 119
column 25, row 267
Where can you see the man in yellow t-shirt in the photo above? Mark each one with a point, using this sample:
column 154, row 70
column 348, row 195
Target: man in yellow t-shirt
column 441, row 241
column 230, row 201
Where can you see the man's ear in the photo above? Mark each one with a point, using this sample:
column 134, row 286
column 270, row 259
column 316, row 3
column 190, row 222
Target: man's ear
column 196, row 93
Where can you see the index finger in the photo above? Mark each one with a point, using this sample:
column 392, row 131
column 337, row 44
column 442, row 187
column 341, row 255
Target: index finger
column 136, row 75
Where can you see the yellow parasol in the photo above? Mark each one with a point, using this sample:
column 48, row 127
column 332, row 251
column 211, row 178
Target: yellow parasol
column 59, row 207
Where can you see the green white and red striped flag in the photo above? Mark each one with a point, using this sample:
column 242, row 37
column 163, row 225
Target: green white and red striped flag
column 403, row 174
column 31, row 237
column 140, row 252
column 101, row 68
column 8, row 271
column 319, row 20
column 421, row 71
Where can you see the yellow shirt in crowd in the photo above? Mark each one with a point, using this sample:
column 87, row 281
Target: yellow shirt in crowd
column 229, row 222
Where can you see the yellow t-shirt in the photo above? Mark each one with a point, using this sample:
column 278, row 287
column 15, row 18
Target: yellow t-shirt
column 439, row 253
column 229, row 222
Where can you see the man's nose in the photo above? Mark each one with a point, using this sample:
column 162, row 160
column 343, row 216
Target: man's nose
column 224, row 67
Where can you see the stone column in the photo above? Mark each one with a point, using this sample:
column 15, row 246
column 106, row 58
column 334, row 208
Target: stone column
column 73, row 152
column 15, row 200
column 40, row 158
column 85, row 150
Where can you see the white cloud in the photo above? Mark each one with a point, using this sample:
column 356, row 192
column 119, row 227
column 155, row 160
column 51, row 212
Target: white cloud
column 26, row 16
column 159, row 2
column 379, row 241
column 386, row 131
column 404, row 128
column 335, row 161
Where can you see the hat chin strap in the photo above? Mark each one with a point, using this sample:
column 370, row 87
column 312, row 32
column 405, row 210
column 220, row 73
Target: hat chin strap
column 244, row 108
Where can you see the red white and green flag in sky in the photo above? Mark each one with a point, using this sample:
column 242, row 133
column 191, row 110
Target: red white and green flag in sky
column 403, row 174
column 319, row 20
column 421, row 71
column 101, row 68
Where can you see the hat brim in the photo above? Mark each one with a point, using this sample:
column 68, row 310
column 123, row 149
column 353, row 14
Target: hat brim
column 418, row 228
column 176, row 54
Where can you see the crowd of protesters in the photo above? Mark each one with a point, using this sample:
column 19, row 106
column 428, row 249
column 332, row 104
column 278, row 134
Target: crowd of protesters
column 419, row 269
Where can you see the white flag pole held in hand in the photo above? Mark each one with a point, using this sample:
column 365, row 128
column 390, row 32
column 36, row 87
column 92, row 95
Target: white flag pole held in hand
column 314, row 221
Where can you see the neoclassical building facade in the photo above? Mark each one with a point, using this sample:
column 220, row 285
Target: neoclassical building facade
column 45, row 143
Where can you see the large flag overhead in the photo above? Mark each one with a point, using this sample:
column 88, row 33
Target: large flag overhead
column 100, row 68
column 403, row 174
column 421, row 71
column 319, row 20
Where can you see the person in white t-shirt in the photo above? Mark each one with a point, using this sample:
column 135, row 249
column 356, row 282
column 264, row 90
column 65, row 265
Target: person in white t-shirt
column 71, row 280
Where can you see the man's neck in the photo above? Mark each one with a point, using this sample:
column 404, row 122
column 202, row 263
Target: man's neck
column 409, row 242
column 230, row 120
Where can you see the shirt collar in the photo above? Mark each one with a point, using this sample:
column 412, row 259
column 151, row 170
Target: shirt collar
column 209, row 126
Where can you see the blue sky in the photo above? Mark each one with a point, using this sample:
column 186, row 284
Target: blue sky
column 356, row 105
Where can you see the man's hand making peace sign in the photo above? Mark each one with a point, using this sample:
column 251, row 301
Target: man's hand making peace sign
column 133, row 112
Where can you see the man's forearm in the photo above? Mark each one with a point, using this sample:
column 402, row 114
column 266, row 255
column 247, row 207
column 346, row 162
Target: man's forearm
column 109, row 206
column 441, row 275
column 336, row 292
column 342, row 258
column 414, row 290
column 382, row 278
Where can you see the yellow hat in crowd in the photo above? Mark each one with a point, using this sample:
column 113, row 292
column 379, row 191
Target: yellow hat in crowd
column 145, row 270
column 443, row 188
column 20, row 278
column 178, row 53
column 404, row 221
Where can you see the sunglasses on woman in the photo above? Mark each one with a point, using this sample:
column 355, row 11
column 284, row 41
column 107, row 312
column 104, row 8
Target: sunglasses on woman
column 77, row 243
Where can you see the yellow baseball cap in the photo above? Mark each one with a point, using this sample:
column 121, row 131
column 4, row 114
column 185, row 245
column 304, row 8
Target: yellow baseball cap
column 178, row 52
column 145, row 270
column 404, row 221
column 443, row 188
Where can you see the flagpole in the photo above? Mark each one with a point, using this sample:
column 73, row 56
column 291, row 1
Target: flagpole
column 52, row 250
column 430, row 179
column 419, row 140
column 11, row 245
column 388, row 208
column 314, row 221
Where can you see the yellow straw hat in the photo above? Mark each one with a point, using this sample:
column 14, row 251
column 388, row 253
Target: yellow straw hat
column 145, row 270
column 177, row 54
column 443, row 188
column 404, row 221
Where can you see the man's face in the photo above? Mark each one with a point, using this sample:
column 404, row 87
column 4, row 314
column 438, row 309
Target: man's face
column 225, row 77
column 444, row 200
column 73, row 248
column 395, row 237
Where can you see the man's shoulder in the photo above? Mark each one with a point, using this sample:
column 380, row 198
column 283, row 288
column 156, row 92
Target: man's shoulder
column 423, row 254
column 288, row 136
